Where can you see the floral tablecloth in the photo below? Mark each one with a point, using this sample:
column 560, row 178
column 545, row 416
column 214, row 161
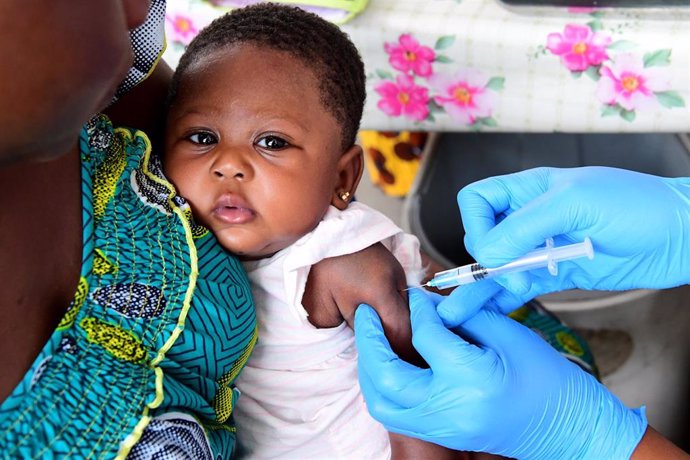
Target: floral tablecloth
column 457, row 65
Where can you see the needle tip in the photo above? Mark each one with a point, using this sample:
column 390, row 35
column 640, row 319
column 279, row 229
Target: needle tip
column 415, row 287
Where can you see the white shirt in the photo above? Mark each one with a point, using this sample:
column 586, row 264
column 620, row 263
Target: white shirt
column 300, row 395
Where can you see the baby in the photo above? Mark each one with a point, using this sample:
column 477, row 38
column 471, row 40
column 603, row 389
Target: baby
column 264, row 109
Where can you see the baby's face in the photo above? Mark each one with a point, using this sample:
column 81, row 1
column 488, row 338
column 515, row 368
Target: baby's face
column 253, row 150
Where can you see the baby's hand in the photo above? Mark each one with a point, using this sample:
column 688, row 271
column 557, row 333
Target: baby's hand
column 372, row 276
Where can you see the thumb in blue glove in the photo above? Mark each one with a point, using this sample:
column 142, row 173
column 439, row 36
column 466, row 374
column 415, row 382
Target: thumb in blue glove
column 639, row 225
column 466, row 300
column 492, row 386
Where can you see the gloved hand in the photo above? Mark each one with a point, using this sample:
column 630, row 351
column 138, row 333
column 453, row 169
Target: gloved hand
column 639, row 225
column 507, row 392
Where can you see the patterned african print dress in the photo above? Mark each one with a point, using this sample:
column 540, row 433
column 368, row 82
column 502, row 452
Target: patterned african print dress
column 143, row 362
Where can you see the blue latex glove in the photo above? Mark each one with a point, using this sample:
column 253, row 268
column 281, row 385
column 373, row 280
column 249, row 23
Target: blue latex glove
column 508, row 392
column 469, row 298
column 639, row 225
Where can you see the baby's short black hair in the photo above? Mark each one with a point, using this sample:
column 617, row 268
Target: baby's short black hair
column 317, row 43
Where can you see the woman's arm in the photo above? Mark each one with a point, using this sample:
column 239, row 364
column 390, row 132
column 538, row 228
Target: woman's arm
column 654, row 445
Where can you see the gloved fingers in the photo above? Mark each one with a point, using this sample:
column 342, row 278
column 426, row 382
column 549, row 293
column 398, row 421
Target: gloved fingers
column 420, row 421
column 519, row 284
column 442, row 349
column 396, row 419
column 483, row 204
column 548, row 215
column 524, row 286
column 381, row 408
column 506, row 301
column 465, row 301
column 519, row 233
column 478, row 214
column 395, row 379
column 435, row 297
column 501, row 334
column 546, row 283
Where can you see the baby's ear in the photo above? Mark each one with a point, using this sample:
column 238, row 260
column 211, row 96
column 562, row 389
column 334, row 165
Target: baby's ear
column 349, row 172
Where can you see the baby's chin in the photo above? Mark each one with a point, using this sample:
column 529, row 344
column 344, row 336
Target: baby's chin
column 248, row 253
column 245, row 243
column 251, row 257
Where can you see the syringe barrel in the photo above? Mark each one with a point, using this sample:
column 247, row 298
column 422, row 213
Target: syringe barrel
column 530, row 261
column 539, row 258
column 458, row 276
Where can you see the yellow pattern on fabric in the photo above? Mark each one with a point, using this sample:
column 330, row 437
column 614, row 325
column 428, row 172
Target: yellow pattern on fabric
column 519, row 315
column 198, row 231
column 101, row 264
column 107, row 176
column 79, row 297
column 220, row 426
column 222, row 402
column 135, row 435
column 569, row 343
column 118, row 342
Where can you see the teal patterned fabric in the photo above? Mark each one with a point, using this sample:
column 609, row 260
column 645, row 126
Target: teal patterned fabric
column 566, row 341
column 143, row 363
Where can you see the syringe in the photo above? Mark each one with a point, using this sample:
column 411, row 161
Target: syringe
column 548, row 257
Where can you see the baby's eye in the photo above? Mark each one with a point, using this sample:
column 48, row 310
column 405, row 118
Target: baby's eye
column 272, row 143
column 203, row 138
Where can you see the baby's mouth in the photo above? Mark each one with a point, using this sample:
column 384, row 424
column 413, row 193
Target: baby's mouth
column 234, row 214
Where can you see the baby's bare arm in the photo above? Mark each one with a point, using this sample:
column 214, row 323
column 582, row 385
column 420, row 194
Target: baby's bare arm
column 374, row 276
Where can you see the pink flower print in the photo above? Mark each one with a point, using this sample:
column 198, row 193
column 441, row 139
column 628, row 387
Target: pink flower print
column 409, row 56
column 628, row 83
column 579, row 47
column 464, row 95
column 403, row 97
column 180, row 28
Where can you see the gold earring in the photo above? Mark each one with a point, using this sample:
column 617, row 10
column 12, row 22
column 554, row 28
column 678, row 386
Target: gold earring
column 344, row 196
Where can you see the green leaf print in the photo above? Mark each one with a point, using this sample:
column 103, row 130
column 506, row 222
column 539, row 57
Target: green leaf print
column 496, row 83
column 384, row 74
column 610, row 110
column 628, row 115
column 444, row 42
column 670, row 99
column 657, row 58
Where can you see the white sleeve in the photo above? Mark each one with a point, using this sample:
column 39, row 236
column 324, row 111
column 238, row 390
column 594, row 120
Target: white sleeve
column 346, row 232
